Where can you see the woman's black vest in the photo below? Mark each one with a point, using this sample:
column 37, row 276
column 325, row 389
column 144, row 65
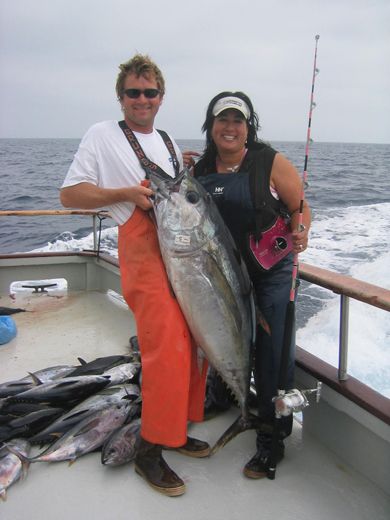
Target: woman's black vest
column 244, row 206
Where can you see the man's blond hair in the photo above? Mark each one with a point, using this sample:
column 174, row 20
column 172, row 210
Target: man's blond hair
column 139, row 65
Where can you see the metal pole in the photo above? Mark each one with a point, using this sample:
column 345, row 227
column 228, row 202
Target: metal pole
column 343, row 338
column 94, row 232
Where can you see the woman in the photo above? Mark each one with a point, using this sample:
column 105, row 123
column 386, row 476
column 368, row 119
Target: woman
column 234, row 162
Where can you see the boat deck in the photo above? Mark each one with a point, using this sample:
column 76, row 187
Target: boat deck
column 311, row 482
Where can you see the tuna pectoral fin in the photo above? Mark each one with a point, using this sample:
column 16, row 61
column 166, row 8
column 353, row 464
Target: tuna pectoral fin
column 249, row 422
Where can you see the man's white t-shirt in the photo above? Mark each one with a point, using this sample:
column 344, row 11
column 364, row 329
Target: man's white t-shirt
column 106, row 159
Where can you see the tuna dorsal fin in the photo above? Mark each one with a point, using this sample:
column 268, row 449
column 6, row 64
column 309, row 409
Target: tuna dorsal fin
column 35, row 379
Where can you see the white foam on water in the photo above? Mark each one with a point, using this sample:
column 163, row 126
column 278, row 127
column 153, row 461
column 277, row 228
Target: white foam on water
column 353, row 241
column 68, row 242
column 342, row 237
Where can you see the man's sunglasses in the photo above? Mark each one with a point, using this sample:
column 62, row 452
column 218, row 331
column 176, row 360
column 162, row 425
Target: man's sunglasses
column 134, row 93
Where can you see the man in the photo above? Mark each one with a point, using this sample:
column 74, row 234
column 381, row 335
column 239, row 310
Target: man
column 106, row 172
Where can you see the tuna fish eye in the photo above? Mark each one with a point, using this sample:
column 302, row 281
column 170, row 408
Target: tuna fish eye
column 192, row 197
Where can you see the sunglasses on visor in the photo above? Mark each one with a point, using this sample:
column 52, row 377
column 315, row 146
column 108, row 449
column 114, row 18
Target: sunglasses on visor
column 134, row 93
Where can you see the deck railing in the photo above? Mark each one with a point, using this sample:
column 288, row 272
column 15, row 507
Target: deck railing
column 346, row 286
column 61, row 212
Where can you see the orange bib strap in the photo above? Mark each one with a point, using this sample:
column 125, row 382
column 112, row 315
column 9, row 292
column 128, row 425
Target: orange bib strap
column 173, row 386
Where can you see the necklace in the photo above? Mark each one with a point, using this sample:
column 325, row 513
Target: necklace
column 235, row 167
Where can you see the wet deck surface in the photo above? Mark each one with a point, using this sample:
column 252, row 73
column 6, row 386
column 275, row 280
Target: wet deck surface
column 311, row 483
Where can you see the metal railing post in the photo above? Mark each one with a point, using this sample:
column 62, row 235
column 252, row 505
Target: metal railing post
column 94, row 232
column 343, row 338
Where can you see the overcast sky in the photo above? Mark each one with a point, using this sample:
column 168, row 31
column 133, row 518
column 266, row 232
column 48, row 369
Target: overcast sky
column 59, row 61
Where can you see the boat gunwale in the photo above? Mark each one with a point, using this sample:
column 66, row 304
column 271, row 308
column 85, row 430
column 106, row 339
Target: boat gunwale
column 359, row 393
column 335, row 282
column 356, row 391
column 58, row 254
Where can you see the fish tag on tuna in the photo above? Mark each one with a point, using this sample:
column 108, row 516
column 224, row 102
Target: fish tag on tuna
column 182, row 240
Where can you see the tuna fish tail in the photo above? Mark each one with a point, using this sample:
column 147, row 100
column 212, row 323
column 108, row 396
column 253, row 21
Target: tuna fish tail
column 241, row 424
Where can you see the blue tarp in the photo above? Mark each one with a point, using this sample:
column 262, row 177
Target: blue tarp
column 7, row 329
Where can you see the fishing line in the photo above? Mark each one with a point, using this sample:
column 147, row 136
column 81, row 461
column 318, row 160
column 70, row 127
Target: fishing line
column 294, row 284
column 289, row 323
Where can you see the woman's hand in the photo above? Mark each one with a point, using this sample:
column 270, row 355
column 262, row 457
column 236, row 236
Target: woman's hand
column 288, row 184
column 188, row 158
column 300, row 239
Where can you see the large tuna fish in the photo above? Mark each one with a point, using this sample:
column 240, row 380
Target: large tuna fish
column 29, row 424
column 105, row 398
column 209, row 280
column 86, row 436
column 11, row 469
column 121, row 447
column 64, row 390
column 98, row 365
column 45, row 375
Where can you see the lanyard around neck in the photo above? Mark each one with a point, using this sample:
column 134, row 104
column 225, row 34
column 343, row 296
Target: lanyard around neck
column 147, row 164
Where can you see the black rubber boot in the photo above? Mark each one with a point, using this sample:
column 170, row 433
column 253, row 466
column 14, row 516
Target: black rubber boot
column 258, row 466
column 150, row 464
column 193, row 448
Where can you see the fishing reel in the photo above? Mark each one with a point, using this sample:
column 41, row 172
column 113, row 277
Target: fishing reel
column 294, row 400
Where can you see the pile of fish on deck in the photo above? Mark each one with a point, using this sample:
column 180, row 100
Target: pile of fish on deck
column 73, row 409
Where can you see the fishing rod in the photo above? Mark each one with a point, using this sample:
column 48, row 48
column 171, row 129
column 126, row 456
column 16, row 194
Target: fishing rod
column 294, row 400
column 304, row 174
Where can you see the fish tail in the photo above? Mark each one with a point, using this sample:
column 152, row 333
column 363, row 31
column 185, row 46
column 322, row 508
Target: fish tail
column 241, row 424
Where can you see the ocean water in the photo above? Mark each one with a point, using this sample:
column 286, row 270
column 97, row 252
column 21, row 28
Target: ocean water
column 348, row 191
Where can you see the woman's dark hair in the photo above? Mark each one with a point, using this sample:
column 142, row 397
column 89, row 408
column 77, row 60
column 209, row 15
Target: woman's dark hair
column 210, row 151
